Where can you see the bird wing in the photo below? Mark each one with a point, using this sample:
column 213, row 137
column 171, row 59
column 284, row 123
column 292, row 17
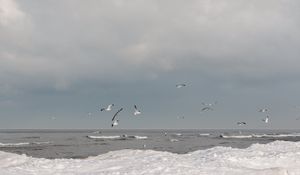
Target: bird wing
column 116, row 114
column 135, row 107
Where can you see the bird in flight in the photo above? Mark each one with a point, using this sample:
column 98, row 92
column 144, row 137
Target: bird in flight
column 116, row 114
column 136, row 111
column 266, row 120
column 263, row 110
column 108, row 108
column 115, row 122
column 180, row 85
column 209, row 104
column 207, row 108
column 241, row 123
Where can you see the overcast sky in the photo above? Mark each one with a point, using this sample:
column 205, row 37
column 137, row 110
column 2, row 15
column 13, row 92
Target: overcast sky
column 64, row 59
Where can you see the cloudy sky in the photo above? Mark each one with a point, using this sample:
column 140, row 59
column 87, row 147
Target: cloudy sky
column 60, row 60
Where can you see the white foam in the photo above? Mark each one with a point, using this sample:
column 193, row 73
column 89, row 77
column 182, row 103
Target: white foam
column 261, row 136
column 13, row 144
column 276, row 158
column 22, row 144
column 41, row 143
column 236, row 136
column 204, row 134
column 174, row 140
column 141, row 137
column 104, row 137
column 118, row 137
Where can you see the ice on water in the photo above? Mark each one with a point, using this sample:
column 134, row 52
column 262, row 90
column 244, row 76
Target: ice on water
column 276, row 158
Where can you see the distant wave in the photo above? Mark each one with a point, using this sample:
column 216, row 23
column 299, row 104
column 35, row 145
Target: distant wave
column 261, row 136
column 204, row 134
column 14, row 144
column 40, row 143
column 275, row 158
column 104, row 137
column 22, row 144
column 117, row 137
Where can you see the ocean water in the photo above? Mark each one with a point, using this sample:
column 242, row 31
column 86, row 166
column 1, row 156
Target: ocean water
column 150, row 152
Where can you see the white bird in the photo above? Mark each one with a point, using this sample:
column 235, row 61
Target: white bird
column 115, row 123
column 207, row 109
column 89, row 114
column 263, row 110
column 108, row 108
column 241, row 123
column 180, row 85
column 266, row 120
column 209, row 104
column 136, row 111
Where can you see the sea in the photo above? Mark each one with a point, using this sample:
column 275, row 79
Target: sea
column 150, row 151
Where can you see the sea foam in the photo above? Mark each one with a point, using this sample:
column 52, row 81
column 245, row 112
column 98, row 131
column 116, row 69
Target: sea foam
column 276, row 158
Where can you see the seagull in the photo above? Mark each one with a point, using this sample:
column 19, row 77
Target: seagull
column 116, row 114
column 209, row 104
column 89, row 114
column 241, row 123
column 180, row 85
column 263, row 110
column 136, row 111
column 109, row 108
column 115, row 123
column 266, row 120
column 206, row 109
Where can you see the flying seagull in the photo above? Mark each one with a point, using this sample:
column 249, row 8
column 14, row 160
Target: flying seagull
column 116, row 114
column 266, row 120
column 241, row 123
column 209, row 104
column 263, row 110
column 136, row 111
column 180, row 85
column 115, row 123
column 108, row 108
column 207, row 109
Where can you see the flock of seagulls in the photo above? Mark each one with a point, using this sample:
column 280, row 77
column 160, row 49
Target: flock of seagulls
column 264, row 110
column 206, row 107
column 114, row 119
column 265, row 120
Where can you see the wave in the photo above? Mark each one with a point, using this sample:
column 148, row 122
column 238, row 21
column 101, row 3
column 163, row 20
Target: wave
column 22, row 144
column 14, row 144
column 204, row 134
column 275, row 158
column 260, row 136
column 117, row 137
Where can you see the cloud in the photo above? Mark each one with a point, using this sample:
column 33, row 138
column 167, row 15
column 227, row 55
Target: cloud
column 119, row 40
column 10, row 14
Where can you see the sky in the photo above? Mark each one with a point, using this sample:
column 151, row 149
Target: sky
column 60, row 60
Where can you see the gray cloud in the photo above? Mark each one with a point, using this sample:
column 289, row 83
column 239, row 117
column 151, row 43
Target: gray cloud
column 72, row 40
column 228, row 44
